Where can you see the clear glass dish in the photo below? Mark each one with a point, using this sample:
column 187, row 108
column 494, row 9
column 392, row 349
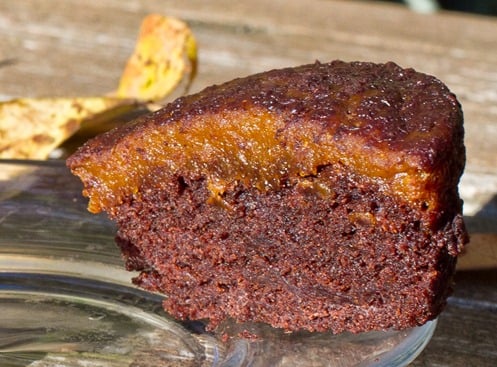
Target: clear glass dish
column 66, row 300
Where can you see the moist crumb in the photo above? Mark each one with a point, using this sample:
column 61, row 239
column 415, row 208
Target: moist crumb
column 321, row 198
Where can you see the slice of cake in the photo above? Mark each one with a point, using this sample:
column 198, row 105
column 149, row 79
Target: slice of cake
column 321, row 197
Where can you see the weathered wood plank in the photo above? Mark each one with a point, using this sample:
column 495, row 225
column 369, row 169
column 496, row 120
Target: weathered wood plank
column 69, row 47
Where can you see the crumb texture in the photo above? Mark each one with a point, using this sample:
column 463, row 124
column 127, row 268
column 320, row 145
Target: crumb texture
column 352, row 260
column 321, row 197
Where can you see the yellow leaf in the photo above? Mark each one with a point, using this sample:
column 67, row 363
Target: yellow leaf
column 165, row 52
column 165, row 55
column 30, row 128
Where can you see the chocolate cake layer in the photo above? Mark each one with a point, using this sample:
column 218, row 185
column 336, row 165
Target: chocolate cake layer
column 322, row 197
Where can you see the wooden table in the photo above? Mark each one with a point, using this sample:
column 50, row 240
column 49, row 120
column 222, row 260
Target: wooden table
column 75, row 48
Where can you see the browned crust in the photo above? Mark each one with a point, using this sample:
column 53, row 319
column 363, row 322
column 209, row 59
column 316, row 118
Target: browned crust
column 387, row 105
column 399, row 125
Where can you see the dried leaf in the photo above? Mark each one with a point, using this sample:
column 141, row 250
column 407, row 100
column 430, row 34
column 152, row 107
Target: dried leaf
column 31, row 128
column 165, row 53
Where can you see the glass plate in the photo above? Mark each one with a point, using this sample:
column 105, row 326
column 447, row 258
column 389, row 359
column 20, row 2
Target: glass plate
column 66, row 300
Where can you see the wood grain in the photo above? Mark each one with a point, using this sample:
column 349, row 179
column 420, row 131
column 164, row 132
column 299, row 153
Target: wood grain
column 74, row 48
column 66, row 48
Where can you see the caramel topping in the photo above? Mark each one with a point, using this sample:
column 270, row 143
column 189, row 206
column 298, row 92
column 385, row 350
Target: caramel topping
column 262, row 130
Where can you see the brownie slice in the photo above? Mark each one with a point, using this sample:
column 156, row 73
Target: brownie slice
column 320, row 197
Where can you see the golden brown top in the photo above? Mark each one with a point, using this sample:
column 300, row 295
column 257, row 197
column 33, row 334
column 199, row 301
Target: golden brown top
column 398, row 126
